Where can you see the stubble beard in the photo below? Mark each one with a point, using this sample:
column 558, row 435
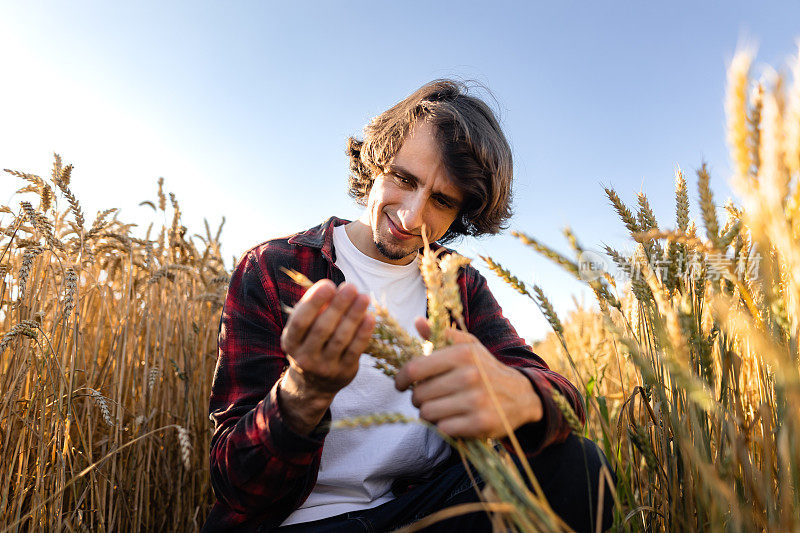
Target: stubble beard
column 391, row 253
column 394, row 255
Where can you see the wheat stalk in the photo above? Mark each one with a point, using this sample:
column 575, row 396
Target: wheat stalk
column 375, row 419
column 506, row 275
column 566, row 410
column 53, row 267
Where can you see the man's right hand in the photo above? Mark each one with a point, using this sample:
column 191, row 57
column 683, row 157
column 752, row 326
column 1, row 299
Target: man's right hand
column 325, row 335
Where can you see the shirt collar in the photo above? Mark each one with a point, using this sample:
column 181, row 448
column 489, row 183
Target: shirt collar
column 320, row 236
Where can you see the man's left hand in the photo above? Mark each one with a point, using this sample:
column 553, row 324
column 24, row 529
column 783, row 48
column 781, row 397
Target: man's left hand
column 451, row 392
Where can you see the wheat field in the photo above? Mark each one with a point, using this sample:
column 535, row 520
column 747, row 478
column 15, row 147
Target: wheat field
column 689, row 368
column 691, row 371
column 107, row 355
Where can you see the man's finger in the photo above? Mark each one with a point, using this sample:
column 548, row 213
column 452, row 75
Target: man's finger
column 446, row 407
column 424, row 329
column 456, row 336
column 328, row 320
column 360, row 340
column 348, row 325
column 304, row 314
column 465, row 426
column 438, row 362
column 457, row 380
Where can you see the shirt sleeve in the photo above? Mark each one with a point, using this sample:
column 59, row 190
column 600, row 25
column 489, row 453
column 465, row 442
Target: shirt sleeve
column 485, row 320
column 259, row 466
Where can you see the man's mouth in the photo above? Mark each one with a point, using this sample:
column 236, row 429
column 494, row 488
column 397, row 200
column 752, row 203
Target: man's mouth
column 397, row 232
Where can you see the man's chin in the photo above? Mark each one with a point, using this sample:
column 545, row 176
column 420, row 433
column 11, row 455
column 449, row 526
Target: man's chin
column 394, row 254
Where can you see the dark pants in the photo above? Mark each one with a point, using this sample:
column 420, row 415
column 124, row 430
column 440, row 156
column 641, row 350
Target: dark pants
column 568, row 474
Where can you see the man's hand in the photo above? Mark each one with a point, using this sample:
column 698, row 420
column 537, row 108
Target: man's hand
column 323, row 340
column 450, row 391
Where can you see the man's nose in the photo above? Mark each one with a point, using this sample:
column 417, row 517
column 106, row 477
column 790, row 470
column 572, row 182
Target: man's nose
column 411, row 213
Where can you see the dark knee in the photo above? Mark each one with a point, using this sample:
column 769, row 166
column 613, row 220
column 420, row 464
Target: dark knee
column 577, row 478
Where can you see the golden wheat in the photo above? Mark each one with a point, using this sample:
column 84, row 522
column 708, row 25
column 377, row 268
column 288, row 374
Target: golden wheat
column 692, row 381
column 80, row 316
column 699, row 374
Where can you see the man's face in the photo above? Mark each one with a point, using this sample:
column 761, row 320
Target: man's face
column 414, row 190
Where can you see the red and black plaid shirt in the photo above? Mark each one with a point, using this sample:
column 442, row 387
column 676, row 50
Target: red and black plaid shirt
column 261, row 470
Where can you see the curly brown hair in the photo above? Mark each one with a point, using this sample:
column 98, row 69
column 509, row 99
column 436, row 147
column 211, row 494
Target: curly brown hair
column 472, row 146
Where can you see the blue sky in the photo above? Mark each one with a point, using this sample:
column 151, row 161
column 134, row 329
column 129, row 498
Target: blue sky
column 244, row 107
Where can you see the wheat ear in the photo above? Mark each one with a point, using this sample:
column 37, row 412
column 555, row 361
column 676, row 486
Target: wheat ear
column 736, row 110
column 186, row 446
column 102, row 404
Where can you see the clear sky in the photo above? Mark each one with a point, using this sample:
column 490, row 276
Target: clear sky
column 244, row 107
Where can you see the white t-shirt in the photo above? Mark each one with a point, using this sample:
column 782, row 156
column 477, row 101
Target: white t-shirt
column 359, row 464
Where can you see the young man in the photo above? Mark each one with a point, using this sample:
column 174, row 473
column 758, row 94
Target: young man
column 435, row 162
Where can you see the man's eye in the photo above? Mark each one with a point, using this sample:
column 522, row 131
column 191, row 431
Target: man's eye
column 402, row 180
column 443, row 203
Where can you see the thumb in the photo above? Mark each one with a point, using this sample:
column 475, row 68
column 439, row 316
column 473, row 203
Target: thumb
column 423, row 327
column 456, row 336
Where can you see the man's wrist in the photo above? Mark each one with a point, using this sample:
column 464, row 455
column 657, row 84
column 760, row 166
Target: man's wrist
column 302, row 409
column 530, row 401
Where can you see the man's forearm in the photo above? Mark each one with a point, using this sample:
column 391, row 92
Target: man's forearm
column 301, row 410
column 259, row 463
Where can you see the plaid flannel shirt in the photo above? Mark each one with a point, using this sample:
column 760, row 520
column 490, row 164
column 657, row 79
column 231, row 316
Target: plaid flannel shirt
column 261, row 470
